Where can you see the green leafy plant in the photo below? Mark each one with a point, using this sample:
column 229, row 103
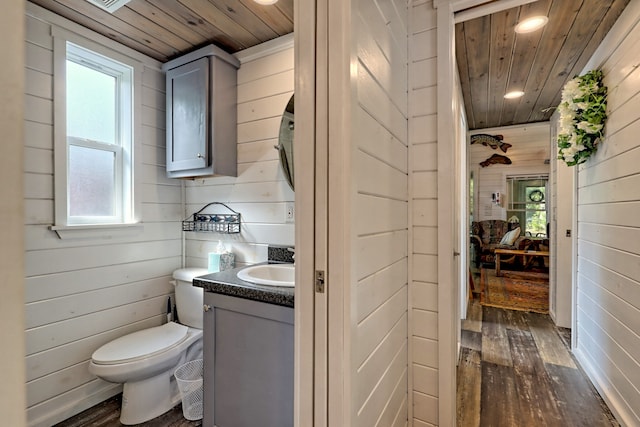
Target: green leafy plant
column 582, row 117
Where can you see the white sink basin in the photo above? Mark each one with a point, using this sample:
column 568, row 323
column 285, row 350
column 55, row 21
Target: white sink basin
column 269, row 274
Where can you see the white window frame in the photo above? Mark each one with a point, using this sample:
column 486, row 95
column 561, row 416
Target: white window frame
column 128, row 72
column 510, row 205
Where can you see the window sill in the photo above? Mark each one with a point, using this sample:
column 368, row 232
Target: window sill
column 88, row 231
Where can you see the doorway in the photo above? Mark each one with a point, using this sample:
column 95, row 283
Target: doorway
column 447, row 88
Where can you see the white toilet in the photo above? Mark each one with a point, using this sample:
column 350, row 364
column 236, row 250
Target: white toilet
column 144, row 361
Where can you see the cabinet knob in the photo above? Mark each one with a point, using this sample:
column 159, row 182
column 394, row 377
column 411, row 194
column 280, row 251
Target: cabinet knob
column 206, row 307
column 200, row 156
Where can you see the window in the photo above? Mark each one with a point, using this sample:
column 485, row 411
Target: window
column 94, row 133
column 98, row 126
column 527, row 202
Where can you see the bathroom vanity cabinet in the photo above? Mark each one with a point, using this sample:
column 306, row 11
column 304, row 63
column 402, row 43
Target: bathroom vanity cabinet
column 201, row 114
column 248, row 353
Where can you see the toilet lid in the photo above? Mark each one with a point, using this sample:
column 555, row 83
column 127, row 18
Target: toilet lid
column 137, row 345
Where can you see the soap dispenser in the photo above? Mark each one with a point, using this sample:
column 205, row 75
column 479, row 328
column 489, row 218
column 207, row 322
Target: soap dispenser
column 214, row 258
column 227, row 258
column 221, row 259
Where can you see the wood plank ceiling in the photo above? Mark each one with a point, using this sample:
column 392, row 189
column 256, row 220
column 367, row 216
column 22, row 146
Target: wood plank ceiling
column 493, row 60
column 165, row 29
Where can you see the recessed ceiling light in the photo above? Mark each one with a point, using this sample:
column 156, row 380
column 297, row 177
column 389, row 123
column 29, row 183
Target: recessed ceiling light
column 266, row 2
column 531, row 24
column 514, row 94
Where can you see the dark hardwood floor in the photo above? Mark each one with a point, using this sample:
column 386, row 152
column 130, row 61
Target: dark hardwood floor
column 107, row 414
column 516, row 370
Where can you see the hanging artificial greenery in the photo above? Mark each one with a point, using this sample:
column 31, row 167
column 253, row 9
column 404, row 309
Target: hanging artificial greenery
column 582, row 117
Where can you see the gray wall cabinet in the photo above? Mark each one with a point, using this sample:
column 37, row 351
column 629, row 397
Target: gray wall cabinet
column 201, row 114
column 248, row 363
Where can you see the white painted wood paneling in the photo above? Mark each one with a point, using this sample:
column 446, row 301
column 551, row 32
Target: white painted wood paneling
column 373, row 258
column 265, row 87
column 83, row 293
column 50, row 311
column 379, row 295
column 608, row 258
column 259, row 192
column 12, row 87
column 423, row 178
column 425, row 352
column 51, row 286
column 374, row 290
column 562, row 188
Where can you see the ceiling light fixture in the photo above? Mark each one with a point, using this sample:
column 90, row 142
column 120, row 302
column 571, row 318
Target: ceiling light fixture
column 513, row 94
column 531, row 24
column 265, row 2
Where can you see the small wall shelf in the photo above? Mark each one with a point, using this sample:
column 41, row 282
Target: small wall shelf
column 227, row 223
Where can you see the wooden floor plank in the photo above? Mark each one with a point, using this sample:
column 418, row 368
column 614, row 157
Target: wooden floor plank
column 516, row 319
column 586, row 411
column 550, row 345
column 495, row 343
column 107, row 414
column 473, row 322
column 529, row 391
column 499, row 405
column 103, row 414
column 471, row 340
column 538, row 405
column 524, row 353
column 468, row 400
column 565, row 336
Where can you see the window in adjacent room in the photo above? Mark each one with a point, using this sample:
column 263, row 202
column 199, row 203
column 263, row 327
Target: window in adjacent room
column 527, row 201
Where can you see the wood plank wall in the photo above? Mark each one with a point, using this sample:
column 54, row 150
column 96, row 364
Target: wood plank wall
column 608, row 283
column 81, row 294
column 259, row 192
column 562, row 187
column 12, row 83
column 530, row 148
column 423, row 213
column 379, row 165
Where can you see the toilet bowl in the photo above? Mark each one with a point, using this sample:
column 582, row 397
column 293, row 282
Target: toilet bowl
column 144, row 361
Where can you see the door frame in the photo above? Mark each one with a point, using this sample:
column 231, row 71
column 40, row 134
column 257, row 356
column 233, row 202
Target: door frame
column 309, row 394
column 448, row 289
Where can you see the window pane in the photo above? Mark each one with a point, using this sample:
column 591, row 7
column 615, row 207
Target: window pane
column 91, row 182
column 91, row 104
column 537, row 222
column 527, row 203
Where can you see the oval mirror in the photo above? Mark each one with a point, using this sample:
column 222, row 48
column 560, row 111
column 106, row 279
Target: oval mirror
column 285, row 142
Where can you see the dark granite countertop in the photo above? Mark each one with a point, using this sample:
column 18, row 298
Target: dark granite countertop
column 227, row 283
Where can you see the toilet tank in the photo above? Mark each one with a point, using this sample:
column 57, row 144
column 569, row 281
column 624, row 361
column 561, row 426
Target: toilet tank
column 189, row 299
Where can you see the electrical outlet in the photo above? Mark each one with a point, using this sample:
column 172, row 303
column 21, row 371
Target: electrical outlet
column 289, row 214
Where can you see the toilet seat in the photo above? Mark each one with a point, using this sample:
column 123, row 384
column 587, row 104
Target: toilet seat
column 141, row 345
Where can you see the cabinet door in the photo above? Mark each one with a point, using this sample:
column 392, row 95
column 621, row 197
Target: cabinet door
column 248, row 363
column 187, row 116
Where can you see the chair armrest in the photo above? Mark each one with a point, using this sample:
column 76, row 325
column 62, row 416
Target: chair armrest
column 523, row 243
column 475, row 240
